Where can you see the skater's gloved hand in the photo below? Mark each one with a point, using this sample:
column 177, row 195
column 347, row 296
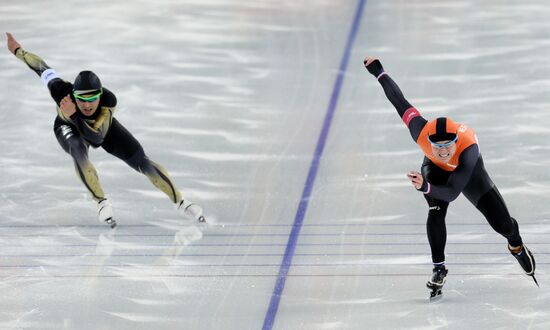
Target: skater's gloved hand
column 67, row 106
column 373, row 65
column 13, row 45
column 418, row 181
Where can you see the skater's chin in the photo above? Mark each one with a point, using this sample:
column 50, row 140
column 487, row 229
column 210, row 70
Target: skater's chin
column 87, row 112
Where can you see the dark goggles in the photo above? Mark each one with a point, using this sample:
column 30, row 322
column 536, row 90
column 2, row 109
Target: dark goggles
column 89, row 98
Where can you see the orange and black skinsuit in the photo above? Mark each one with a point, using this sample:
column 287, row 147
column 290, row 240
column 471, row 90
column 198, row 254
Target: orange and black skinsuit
column 443, row 182
column 77, row 133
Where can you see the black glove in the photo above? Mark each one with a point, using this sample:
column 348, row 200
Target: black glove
column 375, row 68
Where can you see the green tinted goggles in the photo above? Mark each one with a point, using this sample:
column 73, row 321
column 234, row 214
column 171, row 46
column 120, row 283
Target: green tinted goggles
column 89, row 98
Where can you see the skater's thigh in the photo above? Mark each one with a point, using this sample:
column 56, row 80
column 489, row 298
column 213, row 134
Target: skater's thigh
column 434, row 175
column 436, row 204
column 120, row 143
column 492, row 206
column 69, row 139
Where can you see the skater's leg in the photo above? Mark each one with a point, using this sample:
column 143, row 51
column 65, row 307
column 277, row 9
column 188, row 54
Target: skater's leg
column 436, row 229
column 70, row 140
column 492, row 206
column 483, row 193
column 156, row 173
column 494, row 209
column 123, row 145
column 435, row 225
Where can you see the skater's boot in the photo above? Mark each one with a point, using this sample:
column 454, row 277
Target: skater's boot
column 191, row 212
column 525, row 259
column 439, row 276
column 194, row 223
column 435, row 284
column 105, row 212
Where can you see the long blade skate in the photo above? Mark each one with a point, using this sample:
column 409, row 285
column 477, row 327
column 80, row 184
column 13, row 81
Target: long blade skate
column 191, row 212
column 105, row 212
column 439, row 276
column 526, row 260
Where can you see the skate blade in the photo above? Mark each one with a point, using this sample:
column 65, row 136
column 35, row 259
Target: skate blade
column 436, row 296
column 534, row 279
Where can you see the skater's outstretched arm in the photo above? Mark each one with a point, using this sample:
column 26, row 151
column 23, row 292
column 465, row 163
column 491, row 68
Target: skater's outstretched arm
column 33, row 61
column 58, row 87
column 409, row 114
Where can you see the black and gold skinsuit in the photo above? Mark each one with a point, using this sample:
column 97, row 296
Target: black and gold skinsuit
column 78, row 133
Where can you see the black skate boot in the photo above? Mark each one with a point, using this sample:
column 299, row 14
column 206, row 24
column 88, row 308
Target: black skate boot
column 525, row 259
column 435, row 284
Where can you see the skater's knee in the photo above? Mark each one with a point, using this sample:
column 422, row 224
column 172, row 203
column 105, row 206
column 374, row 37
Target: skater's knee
column 78, row 151
column 438, row 208
column 71, row 142
column 139, row 161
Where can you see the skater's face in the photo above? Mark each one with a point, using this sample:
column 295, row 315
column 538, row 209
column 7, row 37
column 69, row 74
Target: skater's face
column 444, row 150
column 87, row 104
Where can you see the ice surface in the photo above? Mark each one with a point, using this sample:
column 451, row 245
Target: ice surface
column 230, row 97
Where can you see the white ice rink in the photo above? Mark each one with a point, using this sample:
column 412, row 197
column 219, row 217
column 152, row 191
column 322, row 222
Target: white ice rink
column 232, row 97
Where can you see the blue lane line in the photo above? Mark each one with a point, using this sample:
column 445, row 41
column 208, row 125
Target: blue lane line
column 304, row 200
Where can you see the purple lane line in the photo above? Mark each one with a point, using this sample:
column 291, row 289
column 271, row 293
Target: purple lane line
column 306, row 194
